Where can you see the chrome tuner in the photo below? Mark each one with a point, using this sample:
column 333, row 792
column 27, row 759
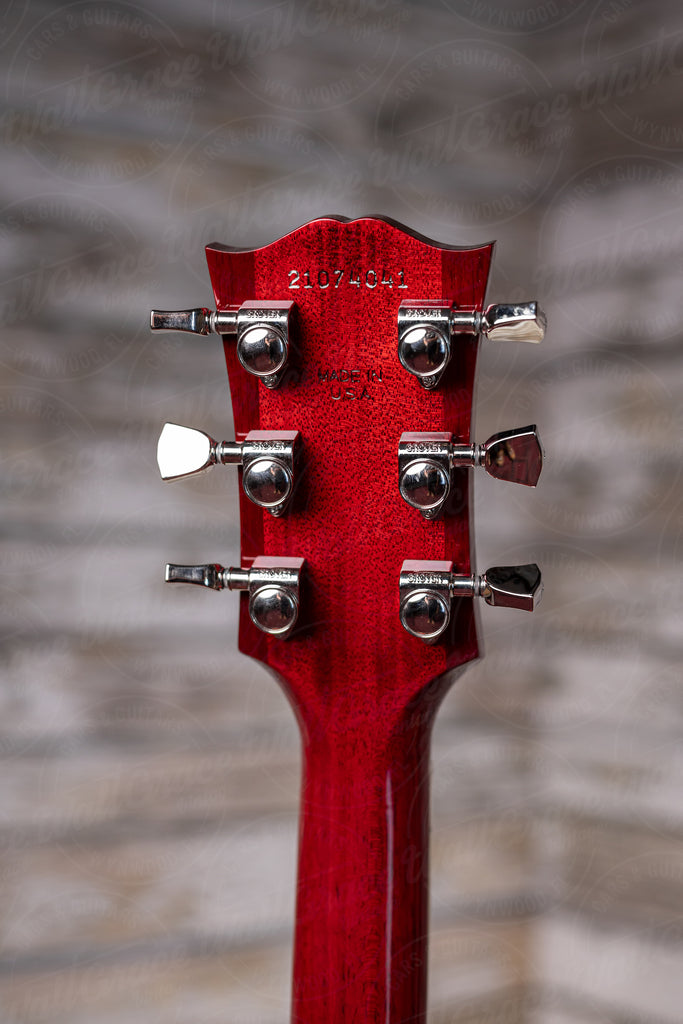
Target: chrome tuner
column 268, row 459
column 426, row 460
column 426, row 589
column 262, row 332
column 273, row 585
column 426, row 330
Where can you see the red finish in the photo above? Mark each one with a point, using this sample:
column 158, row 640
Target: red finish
column 364, row 691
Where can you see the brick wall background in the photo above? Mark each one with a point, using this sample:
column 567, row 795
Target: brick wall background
column 150, row 773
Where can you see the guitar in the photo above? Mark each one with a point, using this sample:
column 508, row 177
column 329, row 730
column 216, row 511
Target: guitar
column 351, row 349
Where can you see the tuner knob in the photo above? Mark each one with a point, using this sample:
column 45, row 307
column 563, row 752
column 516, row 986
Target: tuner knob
column 511, row 586
column 273, row 585
column 262, row 331
column 521, row 321
column 426, row 460
column 267, row 457
column 426, row 589
column 426, row 330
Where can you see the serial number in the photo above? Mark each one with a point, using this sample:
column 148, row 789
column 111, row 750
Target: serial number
column 333, row 278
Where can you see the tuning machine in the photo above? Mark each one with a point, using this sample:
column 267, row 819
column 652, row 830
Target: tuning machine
column 426, row 460
column 268, row 459
column 426, row 589
column 262, row 330
column 426, row 330
column 273, row 585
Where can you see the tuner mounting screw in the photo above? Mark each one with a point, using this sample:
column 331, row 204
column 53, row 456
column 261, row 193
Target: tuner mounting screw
column 273, row 585
column 262, row 330
column 426, row 460
column 426, row 330
column 426, row 589
column 268, row 459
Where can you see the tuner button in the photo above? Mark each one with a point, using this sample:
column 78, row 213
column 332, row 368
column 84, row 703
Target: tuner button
column 424, row 351
column 273, row 609
column 424, row 484
column 268, row 483
column 194, row 321
column 425, row 614
column 514, row 455
column 183, row 451
column 210, row 576
column 522, row 321
column 512, row 586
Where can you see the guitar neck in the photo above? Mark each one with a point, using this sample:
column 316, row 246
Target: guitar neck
column 362, row 905
column 351, row 348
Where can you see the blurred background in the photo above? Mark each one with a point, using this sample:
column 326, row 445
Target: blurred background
column 150, row 773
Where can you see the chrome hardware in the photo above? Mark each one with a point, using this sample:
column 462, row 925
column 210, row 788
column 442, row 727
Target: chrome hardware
column 273, row 585
column 194, row 321
column 424, row 470
column 425, row 330
column 514, row 455
column 424, row 347
column 426, row 459
column 425, row 598
column 426, row 589
column 518, row 321
column 262, row 333
column 267, row 458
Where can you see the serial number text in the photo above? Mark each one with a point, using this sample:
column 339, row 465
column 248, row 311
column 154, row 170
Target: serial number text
column 334, row 277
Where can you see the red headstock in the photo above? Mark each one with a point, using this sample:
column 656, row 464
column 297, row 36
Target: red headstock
column 351, row 399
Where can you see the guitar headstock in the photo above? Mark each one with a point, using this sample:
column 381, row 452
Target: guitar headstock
column 351, row 350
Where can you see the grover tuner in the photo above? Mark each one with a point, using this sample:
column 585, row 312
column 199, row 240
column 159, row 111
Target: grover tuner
column 273, row 585
column 426, row 589
column 426, row 460
column 262, row 330
column 267, row 457
column 426, row 330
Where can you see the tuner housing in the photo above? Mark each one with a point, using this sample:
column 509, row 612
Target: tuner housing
column 425, row 329
column 425, row 598
column 262, row 330
column 273, row 585
column 263, row 339
column 424, row 340
column 424, row 470
column 426, row 589
column 269, row 459
column 426, row 460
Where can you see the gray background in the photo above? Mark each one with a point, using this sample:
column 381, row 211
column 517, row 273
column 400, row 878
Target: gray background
column 150, row 773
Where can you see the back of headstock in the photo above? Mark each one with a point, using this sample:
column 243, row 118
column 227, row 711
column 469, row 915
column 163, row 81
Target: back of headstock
column 351, row 349
column 347, row 394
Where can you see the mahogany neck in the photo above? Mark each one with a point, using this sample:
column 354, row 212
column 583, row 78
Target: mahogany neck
column 362, row 905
